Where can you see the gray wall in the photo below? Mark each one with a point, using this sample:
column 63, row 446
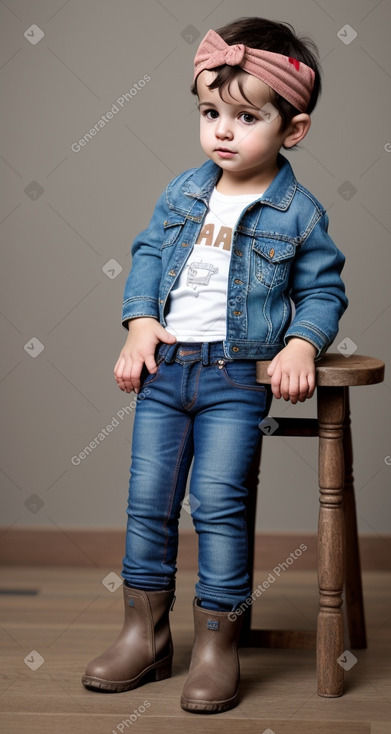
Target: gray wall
column 65, row 215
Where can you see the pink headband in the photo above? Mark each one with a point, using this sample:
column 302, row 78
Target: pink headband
column 289, row 77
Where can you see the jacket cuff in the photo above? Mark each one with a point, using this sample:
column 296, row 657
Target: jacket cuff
column 318, row 338
column 135, row 307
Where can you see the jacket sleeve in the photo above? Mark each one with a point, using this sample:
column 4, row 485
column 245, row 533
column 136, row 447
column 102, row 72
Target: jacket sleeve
column 141, row 292
column 317, row 290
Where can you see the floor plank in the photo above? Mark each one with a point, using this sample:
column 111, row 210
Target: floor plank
column 71, row 617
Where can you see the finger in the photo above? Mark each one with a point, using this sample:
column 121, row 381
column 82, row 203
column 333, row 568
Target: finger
column 118, row 372
column 271, row 367
column 117, row 365
column 311, row 384
column 135, row 373
column 285, row 386
column 294, row 390
column 150, row 363
column 126, row 381
column 165, row 335
column 303, row 383
column 276, row 382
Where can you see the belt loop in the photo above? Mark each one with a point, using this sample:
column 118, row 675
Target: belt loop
column 170, row 352
column 205, row 351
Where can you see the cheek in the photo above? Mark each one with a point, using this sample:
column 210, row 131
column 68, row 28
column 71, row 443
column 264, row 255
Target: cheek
column 206, row 133
column 262, row 137
column 204, row 138
column 203, row 129
column 256, row 139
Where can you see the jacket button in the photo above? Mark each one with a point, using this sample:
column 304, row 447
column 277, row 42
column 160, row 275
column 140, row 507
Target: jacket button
column 237, row 313
column 235, row 349
column 185, row 244
column 172, row 272
column 238, row 281
column 271, row 253
column 238, row 253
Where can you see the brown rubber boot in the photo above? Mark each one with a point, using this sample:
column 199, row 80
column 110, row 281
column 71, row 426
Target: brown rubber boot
column 213, row 682
column 143, row 649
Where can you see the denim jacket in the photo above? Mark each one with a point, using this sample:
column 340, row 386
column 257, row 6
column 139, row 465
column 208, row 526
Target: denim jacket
column 281, row 255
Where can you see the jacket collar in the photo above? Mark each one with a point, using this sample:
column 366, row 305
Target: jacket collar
column 278, row 195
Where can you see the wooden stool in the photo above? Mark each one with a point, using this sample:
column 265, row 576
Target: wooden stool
column 338, row 550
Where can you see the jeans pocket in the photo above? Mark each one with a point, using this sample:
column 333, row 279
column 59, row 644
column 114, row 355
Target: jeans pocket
column 146, row 377
column 241, row 373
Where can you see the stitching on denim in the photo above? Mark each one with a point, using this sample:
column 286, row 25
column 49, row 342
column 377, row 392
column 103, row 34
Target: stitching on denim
column 187, row 406
column 257, row 388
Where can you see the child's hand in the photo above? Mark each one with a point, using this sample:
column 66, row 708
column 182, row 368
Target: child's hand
column 144, row 335
column 293, row 371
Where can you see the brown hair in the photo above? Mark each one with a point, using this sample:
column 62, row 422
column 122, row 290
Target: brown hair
column 274, row 36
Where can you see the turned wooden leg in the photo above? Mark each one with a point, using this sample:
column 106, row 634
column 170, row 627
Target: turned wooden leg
column 353, row 585
column 331, row 541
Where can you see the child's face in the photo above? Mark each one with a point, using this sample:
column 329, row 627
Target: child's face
column 238, row 126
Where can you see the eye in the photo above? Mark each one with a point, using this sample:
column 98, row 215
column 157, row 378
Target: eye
column 248, row 118
column 214, row 113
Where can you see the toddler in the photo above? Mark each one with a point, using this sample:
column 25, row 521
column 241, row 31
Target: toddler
column 235, row 266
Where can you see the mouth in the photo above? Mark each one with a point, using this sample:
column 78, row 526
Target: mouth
column 225, row 153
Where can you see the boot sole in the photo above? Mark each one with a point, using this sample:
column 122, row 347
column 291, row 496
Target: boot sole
column 157, row 671
column 209, row 707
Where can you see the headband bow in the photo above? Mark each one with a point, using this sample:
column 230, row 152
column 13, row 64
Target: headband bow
column 289, row 77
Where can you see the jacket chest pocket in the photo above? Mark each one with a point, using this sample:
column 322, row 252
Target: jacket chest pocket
column 172, row 230
column 272, row 260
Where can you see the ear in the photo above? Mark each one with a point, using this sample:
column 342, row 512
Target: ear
column 298, row 129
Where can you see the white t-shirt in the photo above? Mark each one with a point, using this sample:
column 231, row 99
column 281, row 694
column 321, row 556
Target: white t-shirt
column 198, row 301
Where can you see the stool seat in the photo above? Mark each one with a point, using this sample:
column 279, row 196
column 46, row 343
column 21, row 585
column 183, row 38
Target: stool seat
column 336, row 369
column 339, row 566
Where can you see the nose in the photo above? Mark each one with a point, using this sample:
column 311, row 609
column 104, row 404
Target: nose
column 223, row 128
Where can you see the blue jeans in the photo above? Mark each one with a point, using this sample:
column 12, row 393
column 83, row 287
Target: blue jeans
column 201, row 406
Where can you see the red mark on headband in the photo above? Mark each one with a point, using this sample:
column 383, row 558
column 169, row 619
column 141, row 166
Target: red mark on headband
column 295, row 63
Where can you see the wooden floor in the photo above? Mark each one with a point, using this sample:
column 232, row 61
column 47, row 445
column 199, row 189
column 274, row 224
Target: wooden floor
column 70, row 617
